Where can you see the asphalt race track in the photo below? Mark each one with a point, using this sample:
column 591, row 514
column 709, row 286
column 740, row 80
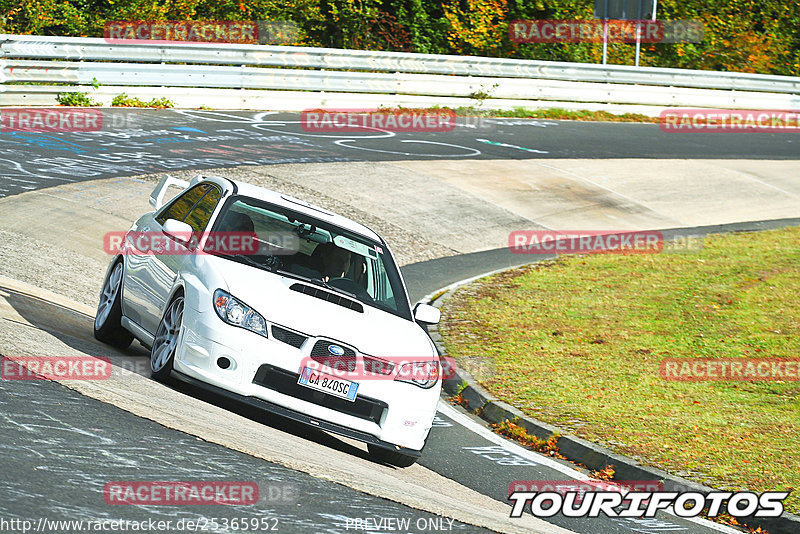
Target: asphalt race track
column 150, row 141
column 60, row 447
column 86, row 443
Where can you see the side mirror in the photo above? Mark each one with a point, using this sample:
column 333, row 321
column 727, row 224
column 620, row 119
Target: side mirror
column 425, row 313
column 178, row 230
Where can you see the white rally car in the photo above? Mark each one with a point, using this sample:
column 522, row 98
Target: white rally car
column 314, row 324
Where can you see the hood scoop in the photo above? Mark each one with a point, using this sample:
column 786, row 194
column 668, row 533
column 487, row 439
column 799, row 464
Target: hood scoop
column 328, row 296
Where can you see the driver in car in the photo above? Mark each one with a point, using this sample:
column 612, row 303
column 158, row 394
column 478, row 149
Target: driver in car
column 331, row 261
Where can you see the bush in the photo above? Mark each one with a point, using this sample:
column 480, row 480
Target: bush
column 75, row 99
column 161, row 103
column 125, row 101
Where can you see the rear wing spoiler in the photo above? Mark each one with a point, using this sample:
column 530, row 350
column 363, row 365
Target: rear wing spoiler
column 157, row 196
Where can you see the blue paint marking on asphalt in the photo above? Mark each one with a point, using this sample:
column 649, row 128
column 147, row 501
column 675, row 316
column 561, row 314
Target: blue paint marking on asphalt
column 51, row 142
column 188, row 129
column 512, row 146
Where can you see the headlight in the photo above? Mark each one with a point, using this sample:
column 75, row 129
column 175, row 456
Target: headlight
column 237, row 313
column 422, row 374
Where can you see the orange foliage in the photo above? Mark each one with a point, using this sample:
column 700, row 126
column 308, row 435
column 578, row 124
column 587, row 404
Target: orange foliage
column 478, row 29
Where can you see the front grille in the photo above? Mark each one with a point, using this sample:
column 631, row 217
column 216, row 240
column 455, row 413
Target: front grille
column 287, row 336
column 327, row 296
column 285, row 382
column 344, row 362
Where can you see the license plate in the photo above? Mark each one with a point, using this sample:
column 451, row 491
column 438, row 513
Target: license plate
column 311, row 378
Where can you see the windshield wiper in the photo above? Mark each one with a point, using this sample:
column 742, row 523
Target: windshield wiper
column 322, row 283
column 250, row 261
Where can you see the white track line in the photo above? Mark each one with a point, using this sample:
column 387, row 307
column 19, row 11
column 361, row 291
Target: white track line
column 470, row 424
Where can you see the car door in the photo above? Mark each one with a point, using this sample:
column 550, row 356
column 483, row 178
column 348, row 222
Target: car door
column 154, row 273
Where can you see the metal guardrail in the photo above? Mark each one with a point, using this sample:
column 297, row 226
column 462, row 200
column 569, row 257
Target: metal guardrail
column 90, row 49
column 356, row 71
column 137, row 74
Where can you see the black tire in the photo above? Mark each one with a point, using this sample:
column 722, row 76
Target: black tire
column 385, row 456
column 165, row 343
column 108, row 327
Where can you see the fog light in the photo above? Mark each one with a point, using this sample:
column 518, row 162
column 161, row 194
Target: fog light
column 223, row 363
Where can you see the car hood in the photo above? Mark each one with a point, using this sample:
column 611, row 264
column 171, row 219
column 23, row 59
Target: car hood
column 374, row 332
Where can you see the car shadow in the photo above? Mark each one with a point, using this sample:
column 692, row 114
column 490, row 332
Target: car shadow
column 71, row 327
column 75, row 329
column 275, row 421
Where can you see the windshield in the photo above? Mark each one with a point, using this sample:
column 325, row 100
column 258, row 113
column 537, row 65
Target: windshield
column 303, row 247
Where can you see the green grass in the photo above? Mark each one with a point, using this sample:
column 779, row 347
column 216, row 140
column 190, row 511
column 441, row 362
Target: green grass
column 555, row 114
column 577, row 342
column 525, row 113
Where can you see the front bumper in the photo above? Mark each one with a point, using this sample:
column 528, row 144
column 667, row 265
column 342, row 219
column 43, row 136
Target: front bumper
column 263, row 373
column 295, row 416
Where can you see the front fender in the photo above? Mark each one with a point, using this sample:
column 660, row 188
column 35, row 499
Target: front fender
column 198, row 280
